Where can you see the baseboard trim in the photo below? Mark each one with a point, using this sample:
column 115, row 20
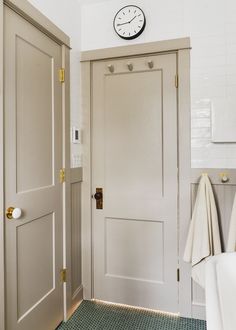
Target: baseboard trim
column 76, row 300
column 78, row 293
column 198, row 311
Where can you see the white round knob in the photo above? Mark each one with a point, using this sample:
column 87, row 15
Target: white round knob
column 16, row 213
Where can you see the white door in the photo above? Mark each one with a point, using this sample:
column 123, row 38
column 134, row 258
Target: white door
column 33, row 158
column 134, row 152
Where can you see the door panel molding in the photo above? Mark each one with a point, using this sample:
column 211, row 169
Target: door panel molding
column 117, row 254
column 45, row 223
column 183, row 65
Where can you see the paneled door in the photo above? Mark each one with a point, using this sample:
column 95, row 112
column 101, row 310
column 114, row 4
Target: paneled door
column 33, row 192
column 134, row 162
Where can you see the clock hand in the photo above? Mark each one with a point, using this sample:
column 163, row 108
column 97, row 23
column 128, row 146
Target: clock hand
column 132, row 19
column 123, row 23
column 127, row 22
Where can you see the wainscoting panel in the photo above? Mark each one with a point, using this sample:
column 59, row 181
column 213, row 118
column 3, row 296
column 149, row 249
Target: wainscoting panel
column 224, row 195
column 76, row 273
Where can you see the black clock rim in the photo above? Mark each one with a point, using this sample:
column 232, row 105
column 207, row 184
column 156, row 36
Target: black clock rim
column 136, row 35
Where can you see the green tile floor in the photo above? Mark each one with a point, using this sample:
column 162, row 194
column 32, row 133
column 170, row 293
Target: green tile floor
column 92, row 315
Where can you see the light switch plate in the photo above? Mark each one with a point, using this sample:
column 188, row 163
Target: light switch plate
column 76, row 160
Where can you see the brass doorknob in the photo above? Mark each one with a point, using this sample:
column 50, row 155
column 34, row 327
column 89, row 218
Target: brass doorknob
column 13, row 213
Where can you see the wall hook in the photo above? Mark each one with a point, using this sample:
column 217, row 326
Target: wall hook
column 130, row 66
column 150, row 64
column 224, row 177
column 111, row 68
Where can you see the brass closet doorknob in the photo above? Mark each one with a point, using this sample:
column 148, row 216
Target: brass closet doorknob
column 13, row 213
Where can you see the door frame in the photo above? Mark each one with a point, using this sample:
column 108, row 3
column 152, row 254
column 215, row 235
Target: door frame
column 37, row 19
column 181, row 47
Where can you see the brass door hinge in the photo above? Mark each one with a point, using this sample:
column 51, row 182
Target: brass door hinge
column 63, row 275
column 62, row 175
column 178, row 275
column 176, row 81
column 62, row 75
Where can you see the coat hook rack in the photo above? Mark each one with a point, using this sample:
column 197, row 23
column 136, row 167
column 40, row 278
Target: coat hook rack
column 150, row 64
column 111, row 68
column 130, row 66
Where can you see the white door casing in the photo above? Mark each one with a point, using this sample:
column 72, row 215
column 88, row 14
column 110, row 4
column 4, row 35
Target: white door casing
column 134, row 160
column 33, row 159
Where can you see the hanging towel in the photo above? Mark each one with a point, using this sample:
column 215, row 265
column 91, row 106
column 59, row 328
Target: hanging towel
column 204, row 237
column 231, row 245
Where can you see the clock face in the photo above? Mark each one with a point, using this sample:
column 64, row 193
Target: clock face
column 129, row 22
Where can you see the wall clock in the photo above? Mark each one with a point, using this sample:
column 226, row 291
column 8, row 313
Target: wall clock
column 129, row 22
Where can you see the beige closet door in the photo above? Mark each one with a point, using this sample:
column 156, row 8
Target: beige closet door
column 33, row 158
column 134, row 152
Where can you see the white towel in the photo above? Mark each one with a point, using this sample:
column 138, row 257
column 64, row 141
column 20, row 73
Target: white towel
column 231, row 245
column 204, row 237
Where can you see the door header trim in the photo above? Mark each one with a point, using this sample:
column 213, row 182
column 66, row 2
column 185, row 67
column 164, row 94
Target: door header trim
column 140, row 49
column 36, row 18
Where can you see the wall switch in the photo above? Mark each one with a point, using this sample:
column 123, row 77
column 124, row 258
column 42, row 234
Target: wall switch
column 76, row 160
